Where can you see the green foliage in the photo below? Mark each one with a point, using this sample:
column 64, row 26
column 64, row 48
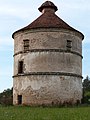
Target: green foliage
column 87, row 93
column 86, row 84
column 39, row 113
column 86, row 90
column 6, row 97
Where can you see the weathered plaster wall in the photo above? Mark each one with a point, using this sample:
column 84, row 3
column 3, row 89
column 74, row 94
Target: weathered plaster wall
column 48, row 53
column 49, row 62
column 42, row 39
column 40, row 90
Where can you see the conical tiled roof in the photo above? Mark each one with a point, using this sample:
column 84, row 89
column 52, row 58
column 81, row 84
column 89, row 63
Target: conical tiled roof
column 48, row 19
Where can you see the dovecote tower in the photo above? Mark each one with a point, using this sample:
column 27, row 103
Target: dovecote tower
column 47, row 61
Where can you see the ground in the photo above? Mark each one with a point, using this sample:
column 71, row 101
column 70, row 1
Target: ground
column 39, row 113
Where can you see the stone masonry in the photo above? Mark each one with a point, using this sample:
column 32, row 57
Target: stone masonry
column 47, row 61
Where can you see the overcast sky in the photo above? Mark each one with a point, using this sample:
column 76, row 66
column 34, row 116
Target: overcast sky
column 15, row 14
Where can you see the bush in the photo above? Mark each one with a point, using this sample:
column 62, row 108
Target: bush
column 6, row 97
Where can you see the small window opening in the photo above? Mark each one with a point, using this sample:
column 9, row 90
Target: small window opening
column 19, row 99
column 26, row 45
column 69, row 44
column 20, row 67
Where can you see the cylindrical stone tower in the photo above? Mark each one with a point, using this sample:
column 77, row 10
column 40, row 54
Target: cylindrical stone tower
column 47, row 61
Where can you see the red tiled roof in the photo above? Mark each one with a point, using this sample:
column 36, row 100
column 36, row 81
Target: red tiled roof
column 48, row 20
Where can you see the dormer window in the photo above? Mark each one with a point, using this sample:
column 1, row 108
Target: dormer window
column 26, row 45
column 69, row 45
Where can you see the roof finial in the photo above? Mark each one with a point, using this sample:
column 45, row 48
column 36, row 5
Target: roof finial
column 47, row 5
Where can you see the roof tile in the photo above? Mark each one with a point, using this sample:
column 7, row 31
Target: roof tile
column 48, row 20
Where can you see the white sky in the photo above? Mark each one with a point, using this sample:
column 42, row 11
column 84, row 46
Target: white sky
column 15, row 14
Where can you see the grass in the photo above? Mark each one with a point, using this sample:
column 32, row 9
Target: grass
column 39, row 113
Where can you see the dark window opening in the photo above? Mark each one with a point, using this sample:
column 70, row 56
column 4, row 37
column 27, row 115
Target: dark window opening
column 19, row 99
column 69, row 45
column 26, row 45
column 20, row 67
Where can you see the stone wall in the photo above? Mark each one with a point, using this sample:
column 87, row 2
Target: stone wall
column 51, row 73
column 48, row 39
column 47, row 89
column 49, row 62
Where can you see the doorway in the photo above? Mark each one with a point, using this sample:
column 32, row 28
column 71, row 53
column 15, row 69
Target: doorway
column 19, row 99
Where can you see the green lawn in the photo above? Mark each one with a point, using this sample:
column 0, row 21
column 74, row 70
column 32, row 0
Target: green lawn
column 38, row 113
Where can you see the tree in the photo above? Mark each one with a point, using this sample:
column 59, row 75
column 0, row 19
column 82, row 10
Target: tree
column 86, row 84
column 86, row 90
column 6, row 97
